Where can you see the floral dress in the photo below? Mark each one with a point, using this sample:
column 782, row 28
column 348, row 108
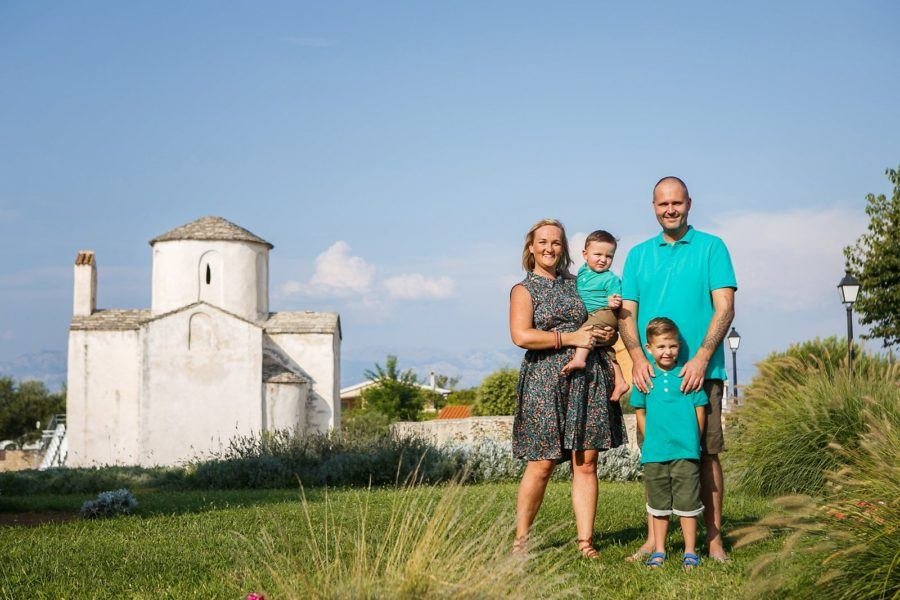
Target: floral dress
column 556, row 414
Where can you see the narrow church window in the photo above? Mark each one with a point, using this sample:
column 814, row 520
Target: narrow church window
column 208, row 275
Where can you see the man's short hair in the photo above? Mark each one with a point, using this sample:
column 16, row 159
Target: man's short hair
column 600, row 236
column 661, row 326
column 668, row 178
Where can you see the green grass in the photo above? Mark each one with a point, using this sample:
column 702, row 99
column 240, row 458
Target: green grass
column 219, row 544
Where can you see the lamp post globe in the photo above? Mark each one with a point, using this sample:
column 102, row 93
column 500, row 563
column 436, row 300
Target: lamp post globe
column 734, row 341
column 849, row 288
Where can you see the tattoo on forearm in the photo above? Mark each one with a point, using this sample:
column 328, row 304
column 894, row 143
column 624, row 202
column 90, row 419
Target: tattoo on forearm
column 717, row 331
column 628, row 339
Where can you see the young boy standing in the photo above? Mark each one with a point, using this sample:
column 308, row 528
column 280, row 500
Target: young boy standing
column 601, row 292
column 670, row 421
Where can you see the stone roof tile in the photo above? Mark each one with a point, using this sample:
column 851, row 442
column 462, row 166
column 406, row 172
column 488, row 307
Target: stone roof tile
column 112, row 319
column 303, row 322
column 210, row 228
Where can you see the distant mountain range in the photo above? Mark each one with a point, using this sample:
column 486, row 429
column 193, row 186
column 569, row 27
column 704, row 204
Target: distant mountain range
column 49, row 366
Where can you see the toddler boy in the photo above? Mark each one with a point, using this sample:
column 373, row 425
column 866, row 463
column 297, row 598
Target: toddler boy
column 601, row 292
column 670, row 421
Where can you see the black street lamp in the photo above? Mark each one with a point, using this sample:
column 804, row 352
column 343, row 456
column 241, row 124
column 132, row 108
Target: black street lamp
column 849, row 288
column 734, row 340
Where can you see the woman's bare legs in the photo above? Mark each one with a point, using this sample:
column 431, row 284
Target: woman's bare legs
column 584, row 497
column 531, row 494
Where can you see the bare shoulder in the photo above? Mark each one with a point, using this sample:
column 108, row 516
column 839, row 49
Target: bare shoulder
column 519, row 294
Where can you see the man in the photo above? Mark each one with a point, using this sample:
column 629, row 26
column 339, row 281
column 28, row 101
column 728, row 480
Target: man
column 687, row 276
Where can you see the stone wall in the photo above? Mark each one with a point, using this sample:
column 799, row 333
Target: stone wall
column 475, row 429
column 19, row 460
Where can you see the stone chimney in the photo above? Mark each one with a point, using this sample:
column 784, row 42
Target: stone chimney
column 85, row 295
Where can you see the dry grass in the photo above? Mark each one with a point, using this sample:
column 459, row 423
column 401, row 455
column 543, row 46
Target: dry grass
column 439, row 542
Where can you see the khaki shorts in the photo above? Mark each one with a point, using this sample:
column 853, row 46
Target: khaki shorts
column 603, row 316
column 673, row 487
column 713, row 439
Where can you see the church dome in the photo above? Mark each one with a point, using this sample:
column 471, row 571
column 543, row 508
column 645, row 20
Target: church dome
column 210, row 228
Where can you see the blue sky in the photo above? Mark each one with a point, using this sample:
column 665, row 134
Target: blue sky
column 395, row 153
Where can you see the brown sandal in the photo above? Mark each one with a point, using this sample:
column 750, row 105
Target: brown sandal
column 586, row 547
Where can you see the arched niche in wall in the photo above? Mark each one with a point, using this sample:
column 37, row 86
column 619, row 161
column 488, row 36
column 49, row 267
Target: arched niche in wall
column 262, row 283
column 211, row 278
column 202, row 333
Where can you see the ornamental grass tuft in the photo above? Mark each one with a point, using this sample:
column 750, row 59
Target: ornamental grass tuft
column 794, row 409
column 439, row 542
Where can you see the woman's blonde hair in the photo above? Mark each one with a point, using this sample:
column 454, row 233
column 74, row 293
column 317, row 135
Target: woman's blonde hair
column 564, row 261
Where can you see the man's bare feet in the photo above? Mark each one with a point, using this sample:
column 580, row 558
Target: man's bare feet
column 640, row 553
column 716, row 550
column 573, row 365
column 619, row 390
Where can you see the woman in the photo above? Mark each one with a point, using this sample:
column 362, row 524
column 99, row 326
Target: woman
column 558, row 417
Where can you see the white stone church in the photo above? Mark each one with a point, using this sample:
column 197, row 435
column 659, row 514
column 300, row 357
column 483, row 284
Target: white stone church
column 207, row 362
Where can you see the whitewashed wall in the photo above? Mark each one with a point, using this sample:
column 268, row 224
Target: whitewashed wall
column 102, row 397
column 201, row 386
column 239, row 276
column 317, row 355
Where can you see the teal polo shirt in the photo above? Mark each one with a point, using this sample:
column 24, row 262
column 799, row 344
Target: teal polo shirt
column 671, row 430
column 675, row 281
column 595, row 288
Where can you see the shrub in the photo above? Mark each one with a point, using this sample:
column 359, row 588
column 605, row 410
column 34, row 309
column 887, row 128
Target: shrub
column 91, row 480
column 619, row 464
column 364, row 424
column 795, row 408
column 109, row 504
column 398, row 400
column 497, row 393
column 467, row 397
column 844, row 545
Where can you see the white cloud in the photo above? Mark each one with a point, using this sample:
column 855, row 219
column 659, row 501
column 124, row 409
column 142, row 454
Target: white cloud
column 338, row 274
column 7, row 336
column 415, row 286
column 792, row 260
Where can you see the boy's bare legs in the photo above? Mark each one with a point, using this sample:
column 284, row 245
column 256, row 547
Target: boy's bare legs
column 578, row 362
column 689, row 530
column 621, row 385
column 712, row 491
column 660, row 529
column 531, row 494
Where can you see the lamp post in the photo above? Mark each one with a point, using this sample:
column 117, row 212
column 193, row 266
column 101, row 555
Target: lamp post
column 849, row 288
column 734, row 340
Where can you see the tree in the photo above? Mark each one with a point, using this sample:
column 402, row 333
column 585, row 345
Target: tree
column 395, row 394
column 24, row 404
column 875, row 261
column 446, row 382
column 466, row 396
column 497, row 393
column 390, row 371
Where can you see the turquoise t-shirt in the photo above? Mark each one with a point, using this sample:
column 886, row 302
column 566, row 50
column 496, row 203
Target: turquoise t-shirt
column 593, row 287
column 675, row 281
column 670, row 429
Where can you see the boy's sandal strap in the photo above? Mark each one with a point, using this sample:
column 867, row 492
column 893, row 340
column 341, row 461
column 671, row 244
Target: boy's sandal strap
column 656, row 560
column 690, row 560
